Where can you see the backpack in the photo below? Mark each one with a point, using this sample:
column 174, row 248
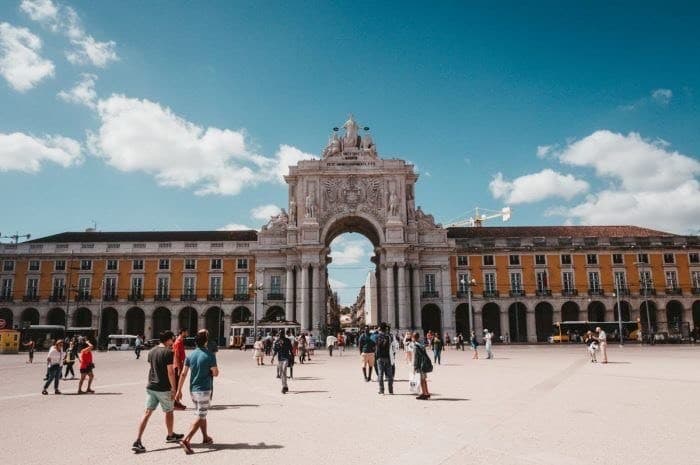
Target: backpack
column 426, row 366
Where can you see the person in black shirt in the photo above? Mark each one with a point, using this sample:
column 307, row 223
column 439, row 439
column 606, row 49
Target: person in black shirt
column 283, row 351
column 382, row 353
column 367, row 346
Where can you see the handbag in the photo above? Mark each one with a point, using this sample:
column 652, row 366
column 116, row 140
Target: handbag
column 414, row 384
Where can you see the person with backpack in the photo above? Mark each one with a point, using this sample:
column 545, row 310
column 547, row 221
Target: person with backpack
column 437, row 348
column 367, row 347
column 383, row 357
column 283, row 351
column 421, row 365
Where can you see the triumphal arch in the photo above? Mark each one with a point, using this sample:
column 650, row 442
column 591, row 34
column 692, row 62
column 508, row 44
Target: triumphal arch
column 350, row 188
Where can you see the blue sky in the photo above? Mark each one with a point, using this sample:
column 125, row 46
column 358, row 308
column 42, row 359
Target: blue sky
column 182, row 115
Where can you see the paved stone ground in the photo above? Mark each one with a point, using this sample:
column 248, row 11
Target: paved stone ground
column 532, row 404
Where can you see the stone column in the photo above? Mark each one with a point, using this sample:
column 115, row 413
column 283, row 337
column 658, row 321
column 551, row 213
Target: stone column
column 448, row 323
column 304, row 318
column 259, row 281
column 289, row 295
column 531, row 326
column 122, row 322
column 404, row 311
column 416, row 296
column 147, row 323
column 688, row 315
column 505, row 322
column 390, row 308
column 478, row 322
column 202, row 322
column 556, row 315
column 316, row 314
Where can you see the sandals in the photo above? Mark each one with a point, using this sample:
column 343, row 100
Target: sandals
column 187, row 447
column 208, row 440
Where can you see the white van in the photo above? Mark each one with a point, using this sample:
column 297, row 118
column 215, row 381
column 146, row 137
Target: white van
column 121, row 342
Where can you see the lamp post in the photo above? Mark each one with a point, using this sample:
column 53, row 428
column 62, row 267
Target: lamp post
column 646, row 283
column 619, row 309
column 469, row 283
column 255, row 288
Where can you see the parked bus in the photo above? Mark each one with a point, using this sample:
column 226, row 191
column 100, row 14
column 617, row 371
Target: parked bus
column 573, row 331
column 42, row 335
column 241, row 335
column 121, row 342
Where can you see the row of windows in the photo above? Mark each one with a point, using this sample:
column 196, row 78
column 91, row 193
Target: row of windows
column 136, row 264
column 566, row 259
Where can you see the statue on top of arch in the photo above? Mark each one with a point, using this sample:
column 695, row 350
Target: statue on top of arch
column 351, row 140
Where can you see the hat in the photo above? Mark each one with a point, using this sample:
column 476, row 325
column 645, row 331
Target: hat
column 486, row 330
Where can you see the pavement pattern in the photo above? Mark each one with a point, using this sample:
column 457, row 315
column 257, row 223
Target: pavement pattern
column 530, row 405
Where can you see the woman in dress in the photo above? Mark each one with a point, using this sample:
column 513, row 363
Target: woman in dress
column 258, row 351
column 591, row 345
column 474, row 345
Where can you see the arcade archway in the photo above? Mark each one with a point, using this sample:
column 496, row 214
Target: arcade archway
column 161, row 321
column 430, row 319
column 30, row 316
column 135, row 321
column 674, row 316
column 517, row 318
column 544, row 321
column 188, row 320
column 82, row 318
column 696, row 313
column 56, row 316
column 274, row 313
column 462, row 320
column 647, row 316
column 491, row 319
column 626, row 313
column 570, row 311
column 596, row 311
column 215, row 322
column 110, row 323
column 241, row 315
column 6, row 314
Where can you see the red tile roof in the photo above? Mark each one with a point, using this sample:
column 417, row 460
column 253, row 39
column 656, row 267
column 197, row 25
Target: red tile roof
column 150, row 236
column 554, row 231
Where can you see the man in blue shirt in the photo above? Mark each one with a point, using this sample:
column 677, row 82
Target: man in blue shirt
column 202, row 363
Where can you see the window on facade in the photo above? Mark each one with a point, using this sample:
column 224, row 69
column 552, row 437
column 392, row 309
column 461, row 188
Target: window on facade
column 642, row 258
column 189, row 285
column 137, row 286
column 462, row 260
column 463, row 282
column 110, row 288
column 137, row 265
column 591, row 259
column 671, row 280
column 488, row 260
column 8, row 265
column 241, row 284
column 620, row 280
column 694, row 258
column 514, row 260
column 215, row 285
column 542, row 283
column 276, row 284
column 696, row 279
column 59, row 265
column 6, row 287
column 59, row 288
column 593, row 280
column 242, row 264
column 33, row 265
column 32, row 287
column 540, row 260
column 516, row 282
column 669, row 258
column 566, row 259
column 190, row 264
column 85, row 265
column 567, row 280
column 164, row 264
column 163, row 287
column 112, row 265
column 490, row 282
column 617, row 259
column 215, row 263
column 429, row 282
column 645, row 281
column 83, row 287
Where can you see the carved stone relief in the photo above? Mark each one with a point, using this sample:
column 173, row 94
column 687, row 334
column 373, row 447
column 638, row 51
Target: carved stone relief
column 352, row 194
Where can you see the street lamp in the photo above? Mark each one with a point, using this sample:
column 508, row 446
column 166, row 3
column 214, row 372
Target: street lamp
column 646, row 282
column 619, row 309
column 255, row 288
column 469, row 282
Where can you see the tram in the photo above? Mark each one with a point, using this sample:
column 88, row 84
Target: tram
column 242, row 335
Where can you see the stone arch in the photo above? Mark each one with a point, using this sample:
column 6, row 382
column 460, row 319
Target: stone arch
column 596, row 311
column 431, row 318
column 357, row 222
column 696, row 313
column 570, row 311
column 517, row 317
column 462, row 320
column 30, row 316
column 544, row 321
column 6, row 314
column 274, row 313
column 162, row 318
column 82, row 318
column 649, row 319
column 674, row 316
column 135, row 321
column 491, row 318
column 56, row 316
column 215, row 322
column 241, row 315
column 187, row 319
column 626, row 311
column 110, row 322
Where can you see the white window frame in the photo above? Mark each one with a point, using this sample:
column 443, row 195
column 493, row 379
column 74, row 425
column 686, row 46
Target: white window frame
column 217, row 261
column 33, row 262
column 85, row 265
column 516, row 281
column 492, row 258
column 162, row 286
column 276, row 284
column 594, row 280
column 490, row 282
column 241, row 284
column 671, row 279
column 190, row 264
column 139, row 262
column 115, row 262
column 215, row 289
column 429, row 282
column 568, row 283
column 163, row 264
column 192, row 288
column 7, row 286
column 110, row 290
column 34, row 288
column 55, row 265
column 620, row 279
column 541, row 255
column 542, row 280
column 136, row 290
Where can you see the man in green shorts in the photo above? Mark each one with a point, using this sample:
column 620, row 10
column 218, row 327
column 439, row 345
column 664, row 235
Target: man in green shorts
column 160, row 389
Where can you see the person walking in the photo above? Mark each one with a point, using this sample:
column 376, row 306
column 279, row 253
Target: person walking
column 591, row 346
column 331, row 341
column 258, row 348
column 201, row 363
column 341, row 344
column 474, row 343
column 69, row 360
column 421, row 366
column 603, row 343
column 383, row 357
column 302, row 344
column 366, row 345
column 138, row 345
column 160, row 389
column 459, row 342
column 54, row 360
column 179, row 362
column 30, row 350
column 488, row 337
column 408, row 348
column 437, row 348
column 86, row 367
column 283, row 351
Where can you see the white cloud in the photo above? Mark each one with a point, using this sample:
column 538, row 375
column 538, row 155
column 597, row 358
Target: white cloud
column 337, row 285
column 234, row 227
column 544, row 150
column 264, row 212
column 287, row 156
column 22, row 152
column 140, row 135
column 350, row 252
column 83, row 93
column 20, row 62
column 536, row 187
column 64, row 20
column 662, row 96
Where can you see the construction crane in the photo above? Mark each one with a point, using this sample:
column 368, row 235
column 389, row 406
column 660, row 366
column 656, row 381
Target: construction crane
column 16, row 237
column 481, row 215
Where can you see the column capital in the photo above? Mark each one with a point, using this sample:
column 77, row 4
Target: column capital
column 289, row 268
column 401, row 264
column 388, row 265
column 444, row 267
